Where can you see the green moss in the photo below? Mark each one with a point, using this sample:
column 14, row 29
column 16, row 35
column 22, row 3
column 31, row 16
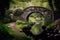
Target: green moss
column 21, row 24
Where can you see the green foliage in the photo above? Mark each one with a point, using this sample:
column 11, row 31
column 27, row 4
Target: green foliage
column 26, row 3
column 48, row 21
column 6, row 20
column 21, row 24
column 4, row 34
column 24, row 0
column 17, row 12
column 9, row 29
column 28, row 38
column 36, row 29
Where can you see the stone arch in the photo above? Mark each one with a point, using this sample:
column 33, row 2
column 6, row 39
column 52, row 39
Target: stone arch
column 32, row 9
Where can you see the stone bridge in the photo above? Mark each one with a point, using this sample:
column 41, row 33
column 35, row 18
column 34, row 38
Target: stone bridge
column 37, row 9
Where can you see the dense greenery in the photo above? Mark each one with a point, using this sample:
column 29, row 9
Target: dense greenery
column 6, row 32
column 22, row 5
